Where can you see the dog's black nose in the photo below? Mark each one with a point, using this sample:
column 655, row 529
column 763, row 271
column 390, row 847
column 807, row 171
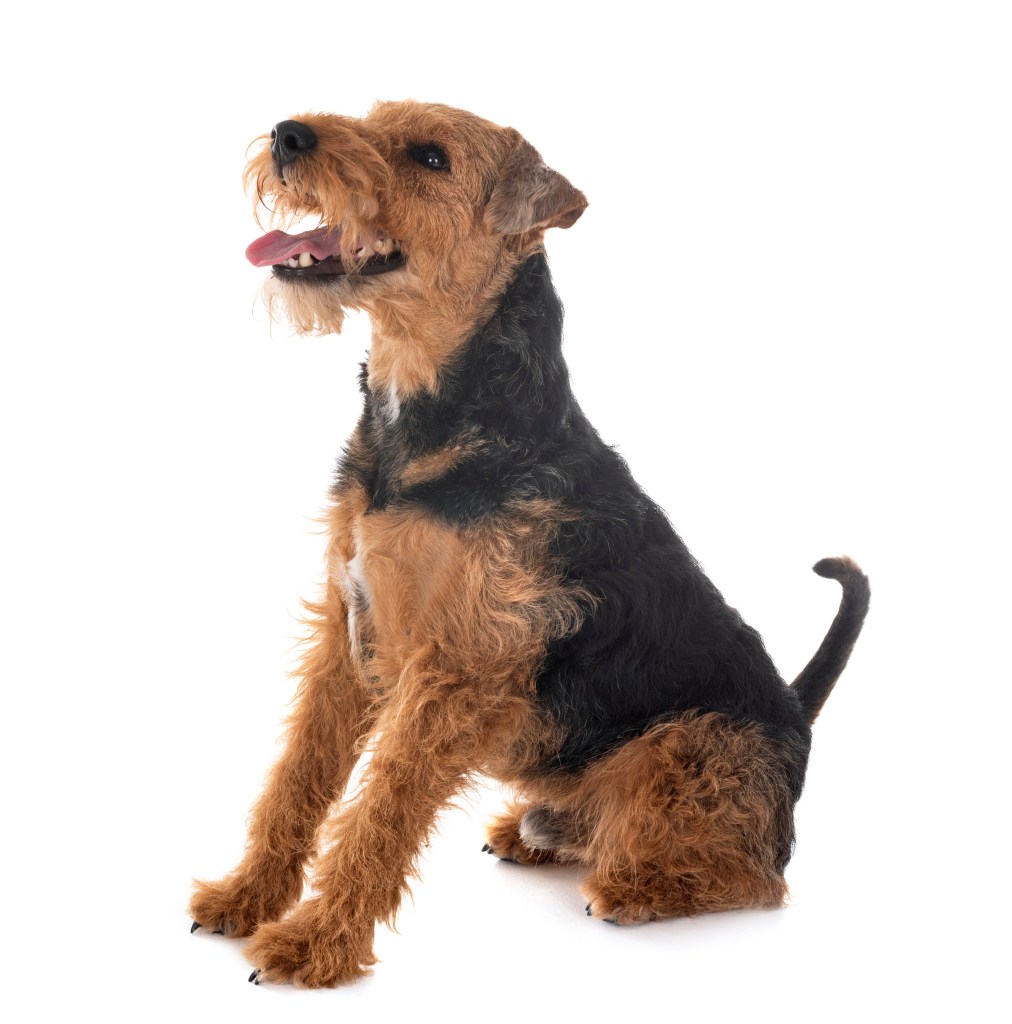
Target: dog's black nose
column 290, row 139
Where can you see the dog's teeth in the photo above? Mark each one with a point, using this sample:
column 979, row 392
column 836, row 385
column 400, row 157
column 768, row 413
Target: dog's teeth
column 293, row 262
column 385, row 246
column 305, row 260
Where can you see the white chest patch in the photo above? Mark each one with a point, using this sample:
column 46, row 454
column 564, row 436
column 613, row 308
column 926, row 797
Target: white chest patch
column 356, row 585
column 391, row 403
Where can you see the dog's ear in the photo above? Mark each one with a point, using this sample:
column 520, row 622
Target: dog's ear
column 531, row 195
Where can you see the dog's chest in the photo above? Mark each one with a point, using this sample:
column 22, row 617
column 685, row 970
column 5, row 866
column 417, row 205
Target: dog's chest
column 395, row 570
column 412, row 581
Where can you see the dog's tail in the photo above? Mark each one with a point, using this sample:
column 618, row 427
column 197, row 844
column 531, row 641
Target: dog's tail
column 817, row 678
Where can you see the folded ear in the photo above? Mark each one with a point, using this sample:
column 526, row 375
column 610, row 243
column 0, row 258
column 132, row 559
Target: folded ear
column 531, row 195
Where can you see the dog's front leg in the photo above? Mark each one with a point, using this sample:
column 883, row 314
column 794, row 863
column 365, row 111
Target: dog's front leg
column 429, row 735
column 331, row 713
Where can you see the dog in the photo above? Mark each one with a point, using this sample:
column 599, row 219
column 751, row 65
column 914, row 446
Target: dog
column 502, row 598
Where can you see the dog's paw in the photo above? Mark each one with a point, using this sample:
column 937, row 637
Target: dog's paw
column 237, row 904
column 619, row 904
column 504, row 841
column 309, row 951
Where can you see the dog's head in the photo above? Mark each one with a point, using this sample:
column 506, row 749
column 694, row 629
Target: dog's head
column 419, row 206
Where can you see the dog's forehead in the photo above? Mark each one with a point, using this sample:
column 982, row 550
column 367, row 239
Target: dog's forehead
column 415, row 122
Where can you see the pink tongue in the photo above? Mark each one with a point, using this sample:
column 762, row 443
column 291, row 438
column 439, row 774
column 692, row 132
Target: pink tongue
column 276, row 246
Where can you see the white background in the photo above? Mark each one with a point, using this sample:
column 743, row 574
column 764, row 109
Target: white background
column 787, row 305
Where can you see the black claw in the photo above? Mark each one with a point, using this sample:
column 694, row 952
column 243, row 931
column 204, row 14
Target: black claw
column 254, row 976
column 194, row 927
column 486, row 848
column 218, row 931
column 587, row 908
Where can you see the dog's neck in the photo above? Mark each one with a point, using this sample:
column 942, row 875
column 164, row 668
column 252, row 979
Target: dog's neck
column 508, row 375
column 418, row 329
column 499, row 403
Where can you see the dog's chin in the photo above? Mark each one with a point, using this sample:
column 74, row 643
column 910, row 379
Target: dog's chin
column 309, row 308
column 314, row 299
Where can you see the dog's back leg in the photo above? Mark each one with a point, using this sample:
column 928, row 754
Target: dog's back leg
column 331, row 714
column 531, row 834
column 694, row 816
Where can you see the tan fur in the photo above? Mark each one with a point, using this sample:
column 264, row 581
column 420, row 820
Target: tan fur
column 684, row 819
column 431, row 467
column 331, row 714
column 505, row 842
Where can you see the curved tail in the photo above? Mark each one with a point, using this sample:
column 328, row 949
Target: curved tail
column 815, row 683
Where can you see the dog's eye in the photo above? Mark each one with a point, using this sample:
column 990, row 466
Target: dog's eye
column 430, row 156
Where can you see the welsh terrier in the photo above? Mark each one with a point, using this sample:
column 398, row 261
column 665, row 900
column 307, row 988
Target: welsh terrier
column 502, row 599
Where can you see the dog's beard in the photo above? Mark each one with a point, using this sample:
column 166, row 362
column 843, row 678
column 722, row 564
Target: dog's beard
column 310, row 309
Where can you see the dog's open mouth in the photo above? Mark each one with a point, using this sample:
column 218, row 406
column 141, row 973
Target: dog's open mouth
column 318, row 253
